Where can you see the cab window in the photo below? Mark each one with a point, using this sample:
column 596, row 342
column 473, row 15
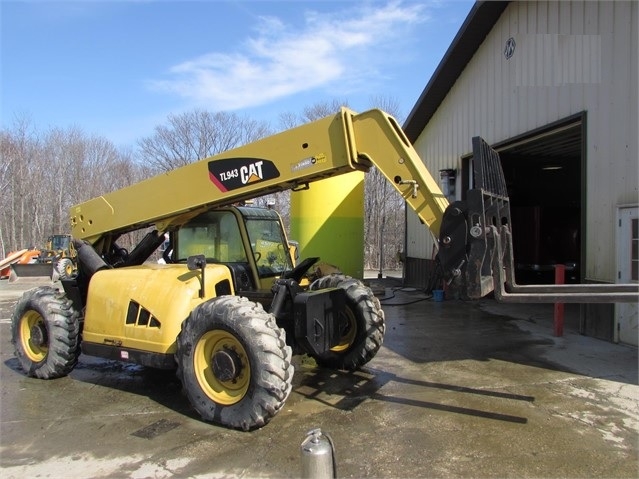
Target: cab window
column 214, row 234
column 268, row 244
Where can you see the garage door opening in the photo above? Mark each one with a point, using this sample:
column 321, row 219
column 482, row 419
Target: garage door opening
column 544, row 172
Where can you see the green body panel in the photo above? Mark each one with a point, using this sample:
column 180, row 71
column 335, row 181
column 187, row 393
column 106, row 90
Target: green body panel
column 328, row 222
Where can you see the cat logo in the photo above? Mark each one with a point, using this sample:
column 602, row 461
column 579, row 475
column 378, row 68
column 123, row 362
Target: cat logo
column 251, row 173
column 232, row 173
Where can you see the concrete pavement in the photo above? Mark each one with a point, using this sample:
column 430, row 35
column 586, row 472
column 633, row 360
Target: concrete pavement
column 458, row 390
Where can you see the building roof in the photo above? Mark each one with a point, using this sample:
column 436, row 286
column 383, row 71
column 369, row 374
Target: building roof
column 480, row 20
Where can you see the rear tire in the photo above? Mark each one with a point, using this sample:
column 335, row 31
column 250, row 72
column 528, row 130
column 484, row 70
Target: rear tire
column 234, row 363
column 45, row 330
column 362, row 326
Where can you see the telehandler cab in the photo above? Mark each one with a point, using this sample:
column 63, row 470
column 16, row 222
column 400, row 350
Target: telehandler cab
column 230, row 306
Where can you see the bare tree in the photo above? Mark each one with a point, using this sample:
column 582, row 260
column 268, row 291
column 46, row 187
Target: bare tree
column 384, row 206
column 6, row 166
column 17, row 147
column 7, row 162
column 310, row 113
column 195, row 135
column 43, row 175
column 288, row 120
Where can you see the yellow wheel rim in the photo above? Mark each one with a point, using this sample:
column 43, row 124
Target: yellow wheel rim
column 222, row 346
column 33, row 336
column 348, row 332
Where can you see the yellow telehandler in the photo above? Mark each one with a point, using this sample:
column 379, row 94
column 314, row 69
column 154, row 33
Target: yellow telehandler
column 229, row 306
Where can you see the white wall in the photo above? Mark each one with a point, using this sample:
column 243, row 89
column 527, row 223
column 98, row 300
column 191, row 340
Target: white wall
column 569, row 57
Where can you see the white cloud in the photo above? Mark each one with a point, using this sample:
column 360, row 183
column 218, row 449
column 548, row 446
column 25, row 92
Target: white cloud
column 342, row 50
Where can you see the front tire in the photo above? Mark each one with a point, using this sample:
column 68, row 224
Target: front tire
column 233, row 363
column 65, row 268
column 362, row 325
column 45, row 330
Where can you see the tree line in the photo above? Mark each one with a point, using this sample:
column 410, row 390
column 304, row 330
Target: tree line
column 44, row 173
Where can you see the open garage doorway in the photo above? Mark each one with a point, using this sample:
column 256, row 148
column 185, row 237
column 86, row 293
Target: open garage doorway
column 544, row 172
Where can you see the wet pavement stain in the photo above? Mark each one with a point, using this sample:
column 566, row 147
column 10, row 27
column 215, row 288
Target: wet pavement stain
column 157, row 428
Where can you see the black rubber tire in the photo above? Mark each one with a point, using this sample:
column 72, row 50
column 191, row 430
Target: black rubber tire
column 234, row 325
column 45, row 330
column 65, row 268
column 358, row 345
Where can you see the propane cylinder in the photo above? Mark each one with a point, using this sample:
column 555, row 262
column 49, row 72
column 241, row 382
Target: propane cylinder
column 318, row 456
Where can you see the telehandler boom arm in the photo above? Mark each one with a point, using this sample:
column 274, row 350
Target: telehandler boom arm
column 292, row 159
column 473, row 235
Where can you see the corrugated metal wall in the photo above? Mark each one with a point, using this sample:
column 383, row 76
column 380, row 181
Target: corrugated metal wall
column 569, row 57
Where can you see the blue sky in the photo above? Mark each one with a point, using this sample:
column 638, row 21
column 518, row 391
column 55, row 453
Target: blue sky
column 118, row 68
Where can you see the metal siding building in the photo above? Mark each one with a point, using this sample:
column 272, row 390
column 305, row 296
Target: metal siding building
column 525, row 73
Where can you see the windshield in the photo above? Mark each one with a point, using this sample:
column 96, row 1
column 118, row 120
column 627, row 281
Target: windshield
column 214, row 234
column 59, row 242
column 267, row 240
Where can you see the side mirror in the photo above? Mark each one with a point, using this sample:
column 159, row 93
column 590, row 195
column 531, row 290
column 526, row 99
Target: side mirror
column 197, row 261
column 294, row 248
